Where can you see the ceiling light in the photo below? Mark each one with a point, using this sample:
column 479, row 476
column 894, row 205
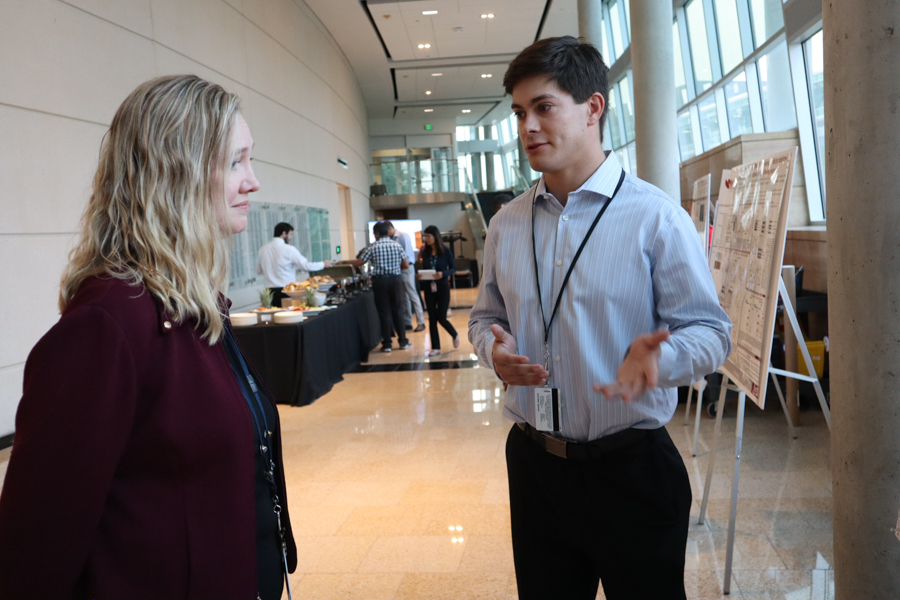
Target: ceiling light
column 486, row 75
column 466, row 110
column 428, row 93
column 429, row 12
column 488, row 16
column 436, row 74
column 423, row 46
column 429, row 110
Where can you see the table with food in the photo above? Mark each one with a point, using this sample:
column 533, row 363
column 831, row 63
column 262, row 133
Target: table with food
column 322, row 331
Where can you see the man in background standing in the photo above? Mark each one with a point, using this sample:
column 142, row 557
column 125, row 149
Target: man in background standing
column 388, row 260
column 278, row 262
column 409, row 279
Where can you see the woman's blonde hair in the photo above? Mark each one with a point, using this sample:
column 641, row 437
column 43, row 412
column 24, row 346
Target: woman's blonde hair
column 152, row 217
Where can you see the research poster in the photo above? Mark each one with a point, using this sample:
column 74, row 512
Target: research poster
column 745, row 262
column 700, row 210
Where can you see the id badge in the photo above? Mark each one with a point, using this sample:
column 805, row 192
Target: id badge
column 433, row 287
column 546, row 409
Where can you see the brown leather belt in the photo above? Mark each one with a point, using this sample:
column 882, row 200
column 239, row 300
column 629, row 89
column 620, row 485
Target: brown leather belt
column 586, row 450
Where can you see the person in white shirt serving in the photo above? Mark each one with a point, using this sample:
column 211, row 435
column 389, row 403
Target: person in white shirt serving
column 278, row 262
column 596, row 302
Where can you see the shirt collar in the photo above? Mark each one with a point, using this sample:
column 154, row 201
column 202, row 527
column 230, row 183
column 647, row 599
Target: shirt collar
column 603, row 181
column 279, row 238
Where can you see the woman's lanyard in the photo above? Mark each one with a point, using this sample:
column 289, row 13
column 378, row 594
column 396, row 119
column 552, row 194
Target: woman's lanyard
column 265, row 451
column 537, row 278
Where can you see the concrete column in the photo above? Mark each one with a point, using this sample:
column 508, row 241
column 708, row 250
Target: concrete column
column 489, row 183
column 653, row 66
column 476, row 172
column 862, row 138
column 590, row 24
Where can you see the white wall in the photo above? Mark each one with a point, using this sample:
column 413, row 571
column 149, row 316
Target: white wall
column 65, row 66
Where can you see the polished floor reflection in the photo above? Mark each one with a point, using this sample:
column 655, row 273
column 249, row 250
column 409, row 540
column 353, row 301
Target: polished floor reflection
column 397, row 488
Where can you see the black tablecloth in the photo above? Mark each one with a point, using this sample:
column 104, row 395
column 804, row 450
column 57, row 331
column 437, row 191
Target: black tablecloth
column 302, row 361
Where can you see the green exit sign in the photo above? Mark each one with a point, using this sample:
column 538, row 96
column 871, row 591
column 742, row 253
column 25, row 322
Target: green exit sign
column 337, row 249
column 428, row 128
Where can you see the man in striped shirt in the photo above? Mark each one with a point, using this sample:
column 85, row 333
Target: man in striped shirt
column 387, row 259
column 596, row 302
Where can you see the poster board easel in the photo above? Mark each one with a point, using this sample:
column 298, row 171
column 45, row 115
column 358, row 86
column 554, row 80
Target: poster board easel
column 745, row 261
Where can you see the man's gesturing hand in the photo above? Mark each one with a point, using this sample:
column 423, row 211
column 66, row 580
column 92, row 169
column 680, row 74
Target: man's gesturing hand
column 639, row 370
column 511, row 367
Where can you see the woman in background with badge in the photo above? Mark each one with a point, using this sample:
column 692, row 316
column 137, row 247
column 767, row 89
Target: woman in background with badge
column 436, row 268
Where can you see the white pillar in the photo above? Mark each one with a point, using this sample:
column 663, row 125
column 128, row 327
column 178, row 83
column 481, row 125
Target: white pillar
column 862, row 140
column 653, row 72
column 590, row 23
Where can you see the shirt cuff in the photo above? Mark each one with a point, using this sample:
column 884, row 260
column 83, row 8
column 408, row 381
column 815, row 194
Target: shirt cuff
column 666, row 361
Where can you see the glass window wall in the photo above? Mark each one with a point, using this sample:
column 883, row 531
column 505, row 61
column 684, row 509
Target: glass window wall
column 615, row 24
column 767, row 18
column 681, row 94
column 627, row 107
column 709, row 123
column 815, row 68
column 696, row 25
column 686, row 136
column 612, row 118
column 776, row 89
column 737, row 101
column 729, row 30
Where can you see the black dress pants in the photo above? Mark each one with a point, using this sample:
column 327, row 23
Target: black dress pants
column 389, row 296
column 437, row 303
column 620, row 519
column 277, row 296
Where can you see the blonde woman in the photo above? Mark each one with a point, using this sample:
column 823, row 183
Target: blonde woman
column 147, row 459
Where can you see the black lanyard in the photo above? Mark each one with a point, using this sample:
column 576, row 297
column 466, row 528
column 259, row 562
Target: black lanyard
column 537, row 278
column 265, row 450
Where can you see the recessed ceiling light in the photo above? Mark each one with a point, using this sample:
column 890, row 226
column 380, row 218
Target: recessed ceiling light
column 486, row 75
column 428, row 93
column 429, row 12
column 488, row 16
column 429, row 110
column 466, row 110
column 436, row 74
column 423, row 46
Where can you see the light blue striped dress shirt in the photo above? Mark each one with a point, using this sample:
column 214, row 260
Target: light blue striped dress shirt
column 641, row 270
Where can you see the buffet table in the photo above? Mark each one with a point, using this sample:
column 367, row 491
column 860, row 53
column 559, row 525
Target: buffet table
column 301, row 362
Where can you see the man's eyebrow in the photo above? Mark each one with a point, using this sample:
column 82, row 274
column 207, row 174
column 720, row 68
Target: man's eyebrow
column 535, row 100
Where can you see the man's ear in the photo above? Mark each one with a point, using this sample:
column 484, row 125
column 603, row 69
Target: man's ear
column 596, row 106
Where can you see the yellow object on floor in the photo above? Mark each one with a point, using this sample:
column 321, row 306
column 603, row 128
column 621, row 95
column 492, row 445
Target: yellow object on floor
column 817, row 354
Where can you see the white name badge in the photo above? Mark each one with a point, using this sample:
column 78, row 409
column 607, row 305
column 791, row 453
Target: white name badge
column 546, row 409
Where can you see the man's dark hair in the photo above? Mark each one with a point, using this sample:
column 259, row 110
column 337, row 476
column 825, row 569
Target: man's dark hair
column 381, row 228
column 282, row 228
column 501, row 200
column 577, row 67
column 390, row 225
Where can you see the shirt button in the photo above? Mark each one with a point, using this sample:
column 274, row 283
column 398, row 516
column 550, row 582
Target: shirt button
column 558, row 263
column 565, row 217
column 167, row 325
column 557, row 359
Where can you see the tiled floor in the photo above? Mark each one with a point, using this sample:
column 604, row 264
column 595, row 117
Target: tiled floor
column 397, row 489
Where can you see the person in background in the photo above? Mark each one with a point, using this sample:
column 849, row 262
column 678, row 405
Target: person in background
column 147, row 458
column 387, row 259
column 501, row 200
column 436, row 257
column 593, row 345
column 278, row 262
column 409, row 280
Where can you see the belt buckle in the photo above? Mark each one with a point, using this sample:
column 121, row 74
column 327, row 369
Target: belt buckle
column 555, row 446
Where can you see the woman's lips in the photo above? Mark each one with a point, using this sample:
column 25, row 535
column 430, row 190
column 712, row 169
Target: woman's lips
column 242, row 206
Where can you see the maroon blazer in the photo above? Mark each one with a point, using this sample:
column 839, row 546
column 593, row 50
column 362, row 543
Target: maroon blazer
column 132, row 472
